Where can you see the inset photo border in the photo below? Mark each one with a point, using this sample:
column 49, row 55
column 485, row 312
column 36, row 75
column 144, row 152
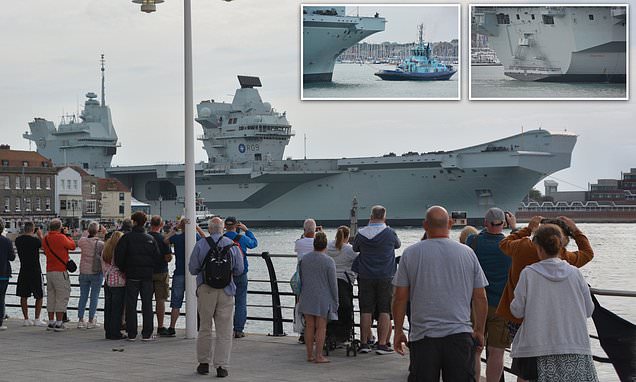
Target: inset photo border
column 380, row 52
column 548, row 52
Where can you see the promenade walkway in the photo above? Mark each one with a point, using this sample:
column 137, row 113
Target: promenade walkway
column 32, row 353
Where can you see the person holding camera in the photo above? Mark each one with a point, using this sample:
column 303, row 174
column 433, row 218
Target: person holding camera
column 30, row 277
column 57, row 244
column 245, row 241
column 519, row 246
column 91, row 276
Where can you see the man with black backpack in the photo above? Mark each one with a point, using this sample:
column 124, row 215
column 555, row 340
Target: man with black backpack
column 215, row 262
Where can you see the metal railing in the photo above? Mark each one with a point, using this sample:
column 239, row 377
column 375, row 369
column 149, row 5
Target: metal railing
column 277, row 307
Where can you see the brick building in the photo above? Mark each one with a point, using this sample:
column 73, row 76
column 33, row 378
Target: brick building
column 27, row 187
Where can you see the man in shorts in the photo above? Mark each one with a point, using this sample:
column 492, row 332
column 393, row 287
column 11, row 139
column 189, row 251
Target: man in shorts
column 177, row 239
column 495, row 265
column 30, row 277
column 376, row 243
column 160, row 278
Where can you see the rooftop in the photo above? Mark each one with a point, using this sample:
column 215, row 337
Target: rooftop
column 77, row 354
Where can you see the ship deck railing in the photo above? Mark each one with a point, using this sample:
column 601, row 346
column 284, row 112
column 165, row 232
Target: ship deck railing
column 281, row 288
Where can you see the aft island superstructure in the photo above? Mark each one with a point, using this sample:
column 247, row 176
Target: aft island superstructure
column 327, row 32
column 557, row 43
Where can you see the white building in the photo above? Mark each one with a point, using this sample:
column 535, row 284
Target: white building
column 68, row 195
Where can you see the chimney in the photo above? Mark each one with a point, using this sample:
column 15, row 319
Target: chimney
column 5, row 147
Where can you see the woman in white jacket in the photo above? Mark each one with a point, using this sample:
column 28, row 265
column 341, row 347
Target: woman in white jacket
column 554, row 301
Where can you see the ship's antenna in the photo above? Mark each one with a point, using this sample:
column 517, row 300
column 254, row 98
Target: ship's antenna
column 103, row 92
column 420, row 30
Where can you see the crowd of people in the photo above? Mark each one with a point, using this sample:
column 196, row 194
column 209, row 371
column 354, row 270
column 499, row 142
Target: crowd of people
column 444, row 300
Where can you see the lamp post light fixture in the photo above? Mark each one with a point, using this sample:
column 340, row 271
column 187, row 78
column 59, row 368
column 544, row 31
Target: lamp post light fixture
column 149, row 6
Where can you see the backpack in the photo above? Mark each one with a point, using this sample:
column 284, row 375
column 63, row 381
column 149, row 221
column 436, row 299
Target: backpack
column 217, row 265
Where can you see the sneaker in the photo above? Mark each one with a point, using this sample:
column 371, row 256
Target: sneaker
column 383, row 349
column 301, row 339
column 203, row 368
column 171, row 332
column 59, row 328
column 239, row 334
column 221, row 372
column 27, row 322
column 364, row 348
column 3, row 327
column 39, row 323
column 162, row 331
column 131, row 339
column 92, row 324
column 51, row 326
column 149, row 339
column 81, row 324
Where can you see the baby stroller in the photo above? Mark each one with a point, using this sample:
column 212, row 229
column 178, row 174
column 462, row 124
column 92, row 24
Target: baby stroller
column 342, row 331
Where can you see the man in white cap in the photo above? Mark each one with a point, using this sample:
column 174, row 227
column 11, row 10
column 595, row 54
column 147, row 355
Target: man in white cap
column 495, row 265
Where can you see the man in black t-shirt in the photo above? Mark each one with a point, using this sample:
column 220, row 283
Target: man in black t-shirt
column 30, row 276
column 160, row 278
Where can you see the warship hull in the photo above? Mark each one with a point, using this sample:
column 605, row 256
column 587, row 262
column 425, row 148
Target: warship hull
column 394, row 75
column 326, row 36
column 557, row 44
column 284, row 193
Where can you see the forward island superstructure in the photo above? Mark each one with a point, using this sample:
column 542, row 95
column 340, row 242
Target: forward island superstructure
column 327, row 32
column 557, row 43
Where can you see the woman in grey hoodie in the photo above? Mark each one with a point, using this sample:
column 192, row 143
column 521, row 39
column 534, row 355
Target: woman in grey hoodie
column 554, row 301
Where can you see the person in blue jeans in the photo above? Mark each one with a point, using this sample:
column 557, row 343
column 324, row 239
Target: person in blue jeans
column 246, row 241
column 6, row 255
column 91, row 277
column 177, row 239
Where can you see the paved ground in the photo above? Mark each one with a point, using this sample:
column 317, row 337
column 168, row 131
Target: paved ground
column 30, row 353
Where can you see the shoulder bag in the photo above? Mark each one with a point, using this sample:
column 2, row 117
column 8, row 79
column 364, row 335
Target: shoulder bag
column 70, row 265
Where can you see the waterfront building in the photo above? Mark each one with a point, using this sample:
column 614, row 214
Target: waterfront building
column 27, row 187
column 68, row 195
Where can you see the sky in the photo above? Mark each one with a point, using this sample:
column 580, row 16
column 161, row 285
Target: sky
column 440, row 22
column 50, row 58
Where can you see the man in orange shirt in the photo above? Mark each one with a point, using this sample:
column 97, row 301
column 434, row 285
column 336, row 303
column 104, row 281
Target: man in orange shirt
column 56, row 244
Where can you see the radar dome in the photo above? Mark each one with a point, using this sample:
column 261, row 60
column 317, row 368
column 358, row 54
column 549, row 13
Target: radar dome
column 267, row 106
column 205, row 112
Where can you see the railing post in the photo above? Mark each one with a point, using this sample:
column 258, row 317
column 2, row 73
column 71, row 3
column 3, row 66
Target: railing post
column 277, row 313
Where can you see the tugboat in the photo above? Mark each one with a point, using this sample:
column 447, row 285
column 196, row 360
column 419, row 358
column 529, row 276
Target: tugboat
column 420, row 66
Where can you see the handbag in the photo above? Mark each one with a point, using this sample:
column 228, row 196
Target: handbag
column 70, row 264
column 97, row 260
column 295, row 281
column 525, row 367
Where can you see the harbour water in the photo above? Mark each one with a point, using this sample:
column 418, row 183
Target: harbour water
column 613, row 268
column 490, row 82
column 357, row 81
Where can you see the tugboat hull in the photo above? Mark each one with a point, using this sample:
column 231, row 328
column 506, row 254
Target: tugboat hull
column 394, row 75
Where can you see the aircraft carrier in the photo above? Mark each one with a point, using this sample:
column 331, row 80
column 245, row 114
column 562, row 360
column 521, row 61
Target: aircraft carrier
column 246, row 175
column 557, row 43
column 327, row 32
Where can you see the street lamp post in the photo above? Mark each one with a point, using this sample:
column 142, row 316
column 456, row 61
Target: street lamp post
column 160, row 198
column 149, row 6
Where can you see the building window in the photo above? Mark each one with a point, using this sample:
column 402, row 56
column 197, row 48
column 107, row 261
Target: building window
column 591, row 17
column 37, row 182
column 25, row 164
column 68, row 184
column 62, row 183
column 7, row 204
column 45, row 164
column 91, row 206
column 17, row 204
column 63, row 205
column 5, row 163
column 547, row 19
column 93, row 189
column 17, row 182
column 121, row 196
column 121, row 210
column 27, row 204
column 75, row 184
column 48, row 183
column 27, row 182
column 47, row 204
column 38, row 204
column 7, row 182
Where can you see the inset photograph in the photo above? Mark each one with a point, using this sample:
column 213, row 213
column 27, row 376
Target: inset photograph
column 380, row 52
column 555, row 52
